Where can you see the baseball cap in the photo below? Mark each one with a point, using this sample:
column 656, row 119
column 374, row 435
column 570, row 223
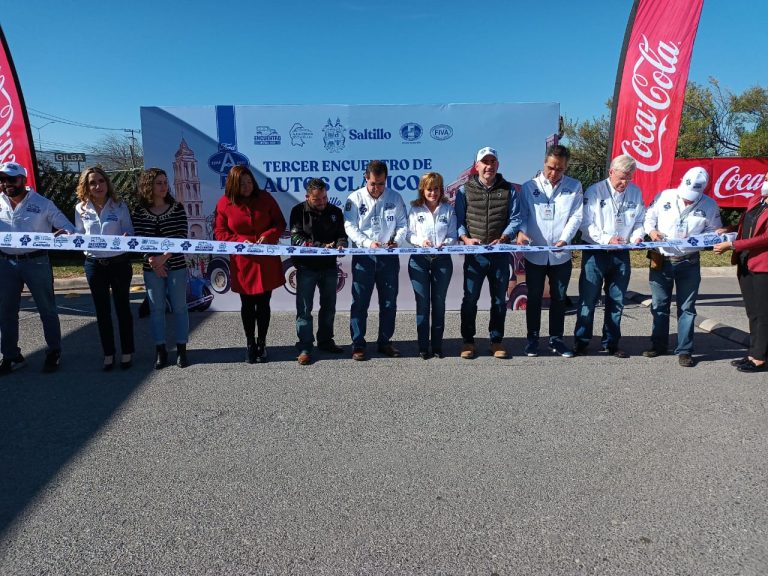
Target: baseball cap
column 13, row 169
column 693, row 184
column 487, row 151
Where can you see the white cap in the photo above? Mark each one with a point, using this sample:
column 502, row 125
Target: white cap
column 487, row 151
column 13, row 169
column 693, row 184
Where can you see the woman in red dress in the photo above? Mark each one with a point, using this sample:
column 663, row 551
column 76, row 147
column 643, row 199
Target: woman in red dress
column 250, row 215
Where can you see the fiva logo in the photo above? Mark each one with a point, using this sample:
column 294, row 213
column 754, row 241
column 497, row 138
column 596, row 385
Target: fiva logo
column 441, row 132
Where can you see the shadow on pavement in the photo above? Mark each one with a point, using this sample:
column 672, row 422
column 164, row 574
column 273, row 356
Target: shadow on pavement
column 45, row 419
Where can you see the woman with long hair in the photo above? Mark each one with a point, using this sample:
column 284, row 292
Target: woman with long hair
column 100, row 212
column 431, row 224
column 247, row 214
column 165, row 275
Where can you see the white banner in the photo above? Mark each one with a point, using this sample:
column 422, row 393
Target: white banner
column 139, row 244
column 287, row 145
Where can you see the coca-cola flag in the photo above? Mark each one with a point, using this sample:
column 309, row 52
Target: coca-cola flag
column 15, row 135
column 732, row 181
column 651, row 88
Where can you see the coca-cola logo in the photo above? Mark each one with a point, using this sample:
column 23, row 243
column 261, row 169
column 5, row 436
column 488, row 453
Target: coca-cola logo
column 733, row 183
column 6, row 119
column 653, row 99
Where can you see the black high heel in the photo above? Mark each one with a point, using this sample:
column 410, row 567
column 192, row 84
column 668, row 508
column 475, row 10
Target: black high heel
column 161, row 357
column 125, row 364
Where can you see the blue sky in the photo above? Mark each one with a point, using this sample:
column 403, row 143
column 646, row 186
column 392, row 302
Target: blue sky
column 98, row 62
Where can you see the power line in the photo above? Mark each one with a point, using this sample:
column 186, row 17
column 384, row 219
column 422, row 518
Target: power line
column 61, row 120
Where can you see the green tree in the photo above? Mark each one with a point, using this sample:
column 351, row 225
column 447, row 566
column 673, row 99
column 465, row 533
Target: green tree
column 751, row 108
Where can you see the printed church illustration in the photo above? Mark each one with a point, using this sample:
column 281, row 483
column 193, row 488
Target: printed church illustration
column 186, row 186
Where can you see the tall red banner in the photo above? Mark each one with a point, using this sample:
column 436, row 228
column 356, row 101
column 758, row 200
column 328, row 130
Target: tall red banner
column 15, row 135
column 654, row 72
column 732, row 180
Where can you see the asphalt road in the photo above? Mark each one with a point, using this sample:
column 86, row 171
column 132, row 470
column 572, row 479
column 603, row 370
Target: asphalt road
column 526, row 466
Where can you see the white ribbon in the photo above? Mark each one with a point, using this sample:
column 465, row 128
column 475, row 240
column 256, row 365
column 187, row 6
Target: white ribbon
column 47, row 241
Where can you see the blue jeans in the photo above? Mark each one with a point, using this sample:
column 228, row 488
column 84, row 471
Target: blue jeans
column 598, row 268
column 430, row 277
column 175, row 288
column 478, row 267
column 559, row 275
column 114, row 274
column 367, row 272
column 36, row 273
column 325, row 280
column 686, row 277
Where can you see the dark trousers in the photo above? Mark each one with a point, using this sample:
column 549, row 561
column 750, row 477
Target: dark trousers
column 255, row 312
column 598, row 268
column 430, row 276
column 754, row 288
column 478, row 267
column 559, row 276
column 113, row 275
column 367, row 272
column 325, row 280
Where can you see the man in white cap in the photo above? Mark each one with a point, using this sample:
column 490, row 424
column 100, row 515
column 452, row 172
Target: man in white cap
column 679, row 212
column 24, row 210
column 487, row 213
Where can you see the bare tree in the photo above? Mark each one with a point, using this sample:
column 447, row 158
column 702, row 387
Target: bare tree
column 117, row 152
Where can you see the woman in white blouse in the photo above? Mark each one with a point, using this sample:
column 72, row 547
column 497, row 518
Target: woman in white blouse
column 98, row 213
column 431, row 224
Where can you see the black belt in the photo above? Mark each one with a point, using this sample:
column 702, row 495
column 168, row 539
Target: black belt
column 678, row 259
column 108, row 261
column 25, row 256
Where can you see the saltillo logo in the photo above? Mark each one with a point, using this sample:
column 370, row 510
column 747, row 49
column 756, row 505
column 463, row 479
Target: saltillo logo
column 369, row 134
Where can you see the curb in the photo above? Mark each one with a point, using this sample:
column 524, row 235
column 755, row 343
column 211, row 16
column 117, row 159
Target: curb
column 80, row 283
column 707, row 324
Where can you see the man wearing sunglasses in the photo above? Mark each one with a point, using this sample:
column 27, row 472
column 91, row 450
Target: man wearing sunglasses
column 24, row 210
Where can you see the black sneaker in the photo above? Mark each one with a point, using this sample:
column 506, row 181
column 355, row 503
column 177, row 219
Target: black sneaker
column 558, row 347
column 52, row 360
column 8, row 365
column 654, row 352
column 330, row 346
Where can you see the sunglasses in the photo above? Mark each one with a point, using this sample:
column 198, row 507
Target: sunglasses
column 4, row 178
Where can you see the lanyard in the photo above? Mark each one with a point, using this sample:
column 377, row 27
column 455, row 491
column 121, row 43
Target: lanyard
column 621, row 206
column 555, row 188
column 688, row 209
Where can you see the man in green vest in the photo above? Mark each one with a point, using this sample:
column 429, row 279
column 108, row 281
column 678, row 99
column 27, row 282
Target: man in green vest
column 488, row 213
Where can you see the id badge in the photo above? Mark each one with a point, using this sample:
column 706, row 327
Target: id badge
column 549, row 212
column 376, row 224
column 681, row 230
column 619, row 219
